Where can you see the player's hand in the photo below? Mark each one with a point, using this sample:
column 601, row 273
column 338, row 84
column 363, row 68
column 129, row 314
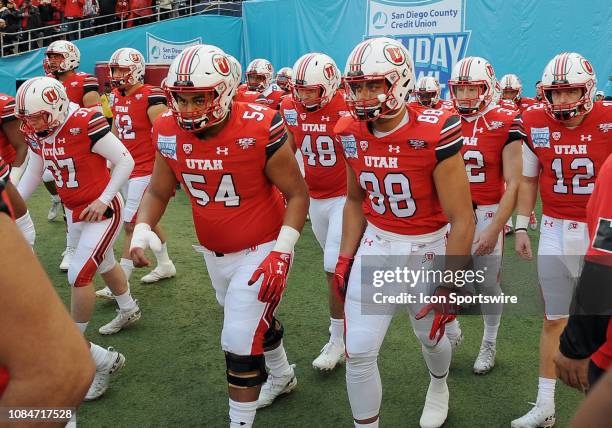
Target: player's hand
column 341, row 275
column 444, row 311
column 522, row 245
column 143, row 238
column 572, row 372
column 274, row 268
column 94, row 211
column 486, row 241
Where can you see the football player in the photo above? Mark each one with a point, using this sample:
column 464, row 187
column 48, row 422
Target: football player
column 19, row 208
column 135, row 107
column 13, row 154
column 233, row 160
column 512, row 90
column 283, row 79
column 538, row 88
column 492, row 141
column 62, row 59
column 310, row 114
column 405, row 175
column 565, row 149
column 260, row 86
column 427, row 94
column 75, row 144
column 43, row 358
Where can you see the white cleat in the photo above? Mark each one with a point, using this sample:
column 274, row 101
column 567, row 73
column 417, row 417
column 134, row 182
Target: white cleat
column 122, row 320
column 105, row 294
column 276, row 386
column 435, row 409
column 54, row 210
column 455, row 341
column 162, row 271
column 540, row 416
column 67, row 256
column 102, row 378
column 331, row 354
column 486, row 358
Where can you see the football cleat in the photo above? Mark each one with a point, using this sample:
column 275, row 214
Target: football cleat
column 123, row 319
column 162, row 271
column 67, row 258
column 105, row 294
column 102, row 378
column 533, row 221
column 331, row 354
column 455, row 340
column 486, row 358
column 435, row 409
column 276, row 386
column 54, row 210
column 540, row 416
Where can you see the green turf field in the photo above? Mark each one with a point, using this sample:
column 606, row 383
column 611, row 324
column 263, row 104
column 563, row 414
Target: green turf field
column 175, row 371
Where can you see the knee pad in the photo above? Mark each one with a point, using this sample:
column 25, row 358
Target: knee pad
column 361, row 366
column 26, row 225
column 274, row 334
column 47, row 176
column 245, row 371
column 108, row 262
column 421, row 330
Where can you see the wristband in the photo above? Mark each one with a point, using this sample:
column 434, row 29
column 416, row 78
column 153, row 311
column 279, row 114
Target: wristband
column 522, row 222
column 287, row 238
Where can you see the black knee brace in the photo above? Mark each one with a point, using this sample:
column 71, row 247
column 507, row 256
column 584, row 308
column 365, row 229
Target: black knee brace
column 245, row 371
column 273, row 335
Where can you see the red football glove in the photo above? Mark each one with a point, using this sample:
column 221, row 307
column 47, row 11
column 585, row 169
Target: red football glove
column 275, row 269
column 445, row 313
column 341, row 275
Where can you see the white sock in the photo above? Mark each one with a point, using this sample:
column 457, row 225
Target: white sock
column 82, row 326
column 453, row 328
column 336, row 330
column 546, row 391
column 242, row 415
column 128, row 266
column 370, row 425
column 125, row 301
column 162, row 256
column 438, row 383
column 438, row 359
column 55, row 198
column 99, row 355
column 26, row 225
column 490, row 328
column 276, row 360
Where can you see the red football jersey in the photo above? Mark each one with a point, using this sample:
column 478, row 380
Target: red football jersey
column 570, row 159
column 271, row 97
column 133, row 125
column 396, row 171
column 484, row 139
column 234, row 205
column 441, row 104
column 7, row 114
column 324, row 166
column 78, row 84
column 523, row 104
column 80, row 175
column 4, row 379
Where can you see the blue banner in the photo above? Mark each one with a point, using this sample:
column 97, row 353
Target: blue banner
column 159, row 42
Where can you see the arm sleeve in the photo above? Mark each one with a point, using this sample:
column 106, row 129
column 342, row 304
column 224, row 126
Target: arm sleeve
column 531, row 163
column 113, row 150
column 32, row 176
column 278, row 135
column 451, row 140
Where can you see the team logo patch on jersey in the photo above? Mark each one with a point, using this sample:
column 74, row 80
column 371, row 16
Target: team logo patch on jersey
column 138, row 97
column 556, row 135
column 417, row 144
column 75, row 131
column 605, row 127
column 290, row 117
column 495, row 124
column 540, row 137
column 167, row 146
column 245, row 143
column 74, row 84
column 303, row 116
column 187, row 148
column 364, row 145
column 349, row 144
